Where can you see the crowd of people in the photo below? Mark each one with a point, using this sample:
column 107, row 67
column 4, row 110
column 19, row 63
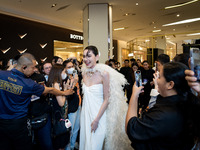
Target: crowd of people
column 101, row 104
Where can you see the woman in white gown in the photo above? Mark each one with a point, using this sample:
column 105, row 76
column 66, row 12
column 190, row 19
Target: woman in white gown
column 104, row 107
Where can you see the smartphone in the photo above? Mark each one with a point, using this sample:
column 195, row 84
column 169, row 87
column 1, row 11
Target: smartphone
column 138, row 78
column 195, row 62
column 156, row 67
column 74, row 61
column 12, row 62
column 74, row 72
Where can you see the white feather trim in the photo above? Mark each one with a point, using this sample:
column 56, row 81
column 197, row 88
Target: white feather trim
column 116, row 137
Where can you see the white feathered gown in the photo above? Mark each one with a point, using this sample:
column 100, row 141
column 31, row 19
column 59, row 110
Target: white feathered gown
column 110, row 134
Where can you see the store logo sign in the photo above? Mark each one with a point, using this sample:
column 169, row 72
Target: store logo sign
column 76, row 37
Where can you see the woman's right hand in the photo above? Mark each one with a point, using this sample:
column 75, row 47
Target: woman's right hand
column 192, row 80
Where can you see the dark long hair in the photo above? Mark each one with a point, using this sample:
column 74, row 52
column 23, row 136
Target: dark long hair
column 190, row 104
column 175, row 71
column 55, row 75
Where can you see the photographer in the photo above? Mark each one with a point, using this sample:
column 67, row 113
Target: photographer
column 172, row 124
column 74, row 102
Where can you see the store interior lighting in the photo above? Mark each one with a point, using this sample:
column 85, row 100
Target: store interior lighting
column 193, row 34
column 182, row 22
column 182, row 4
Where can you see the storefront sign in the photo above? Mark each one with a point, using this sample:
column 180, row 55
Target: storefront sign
column 76, row 37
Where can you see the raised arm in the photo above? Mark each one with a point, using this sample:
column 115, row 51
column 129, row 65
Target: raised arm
column 56, row 92
column 133, row 104
column 106, row 86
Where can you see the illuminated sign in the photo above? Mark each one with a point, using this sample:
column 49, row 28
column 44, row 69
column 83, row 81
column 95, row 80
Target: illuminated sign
column 76, row 37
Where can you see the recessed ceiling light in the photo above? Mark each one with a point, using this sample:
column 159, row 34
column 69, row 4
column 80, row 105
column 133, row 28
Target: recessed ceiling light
column 119, row 29
column 182, row 4
column 136, row 4
column 156, row 30
column 174, row 29
column 182, row 22
column 129, row 14
column 193, row 34
column 54, row 5
column 178, row 15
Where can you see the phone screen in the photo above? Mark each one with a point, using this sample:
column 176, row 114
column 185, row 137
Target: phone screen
column 138, row 78
column 195, row 61
column 74, row 72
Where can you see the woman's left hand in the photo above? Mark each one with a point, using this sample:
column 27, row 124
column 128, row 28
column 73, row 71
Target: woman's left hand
column 94, row 125
column 137, row 90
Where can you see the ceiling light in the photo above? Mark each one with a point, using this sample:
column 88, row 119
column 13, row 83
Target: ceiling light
column 136, row 4
column 154, row 27
column 178, row 15
column 76, row 46
column 119, row 29
column 140, row 48
column 54, row 5
column 156, row 30
column 174, row 29
column 182, row 22
column 62, row 48
column 130, row 54
column 193, row 34
column 129, row 14
column 179, row 5
column 171, row 42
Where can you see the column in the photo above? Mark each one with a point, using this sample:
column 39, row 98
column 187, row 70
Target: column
column 161, row 43
column 97, row 29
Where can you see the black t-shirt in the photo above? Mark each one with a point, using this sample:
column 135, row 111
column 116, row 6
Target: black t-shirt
column 125, row 71
column 41, row 104
column 73, row 101
column 161, row 128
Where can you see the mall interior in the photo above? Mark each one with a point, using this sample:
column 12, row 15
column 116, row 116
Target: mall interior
column 120, row 29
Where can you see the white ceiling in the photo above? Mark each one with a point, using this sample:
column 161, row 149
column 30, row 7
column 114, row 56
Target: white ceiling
column 68, row 14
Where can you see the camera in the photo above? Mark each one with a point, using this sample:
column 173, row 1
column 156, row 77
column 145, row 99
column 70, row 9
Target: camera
column 195, row 62
column 138, row 78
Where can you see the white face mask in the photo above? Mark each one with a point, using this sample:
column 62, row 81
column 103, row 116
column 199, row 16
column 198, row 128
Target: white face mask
column 70, row 71
column 64, row 76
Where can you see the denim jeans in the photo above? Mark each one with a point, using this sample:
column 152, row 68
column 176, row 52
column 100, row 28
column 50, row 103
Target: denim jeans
column 75, row 121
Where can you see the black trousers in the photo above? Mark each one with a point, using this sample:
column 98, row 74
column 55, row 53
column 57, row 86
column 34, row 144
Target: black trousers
column 14, row 134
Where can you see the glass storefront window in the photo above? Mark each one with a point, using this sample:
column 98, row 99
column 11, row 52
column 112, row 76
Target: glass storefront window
column 66, row 50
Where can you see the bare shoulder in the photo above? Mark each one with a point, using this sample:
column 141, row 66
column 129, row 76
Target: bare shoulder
column 105, row 74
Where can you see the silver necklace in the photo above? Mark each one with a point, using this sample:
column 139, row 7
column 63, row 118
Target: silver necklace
column 90, row 73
